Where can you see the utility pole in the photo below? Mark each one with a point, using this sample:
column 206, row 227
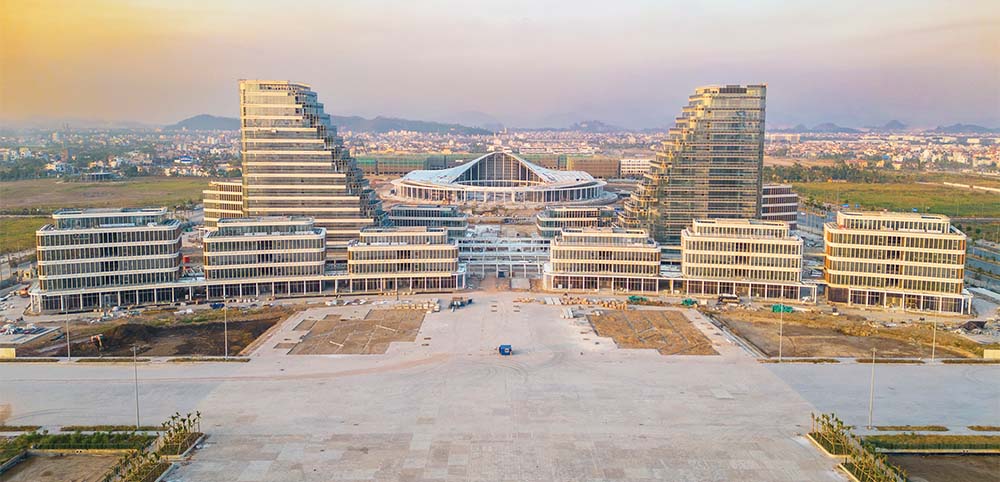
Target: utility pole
column 135, row 372
column 225, row 331
column 69, row 355
column 871, row 393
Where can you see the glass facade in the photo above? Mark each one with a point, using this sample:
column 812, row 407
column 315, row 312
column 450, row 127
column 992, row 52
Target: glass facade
column 294, row 164
column 709, row 168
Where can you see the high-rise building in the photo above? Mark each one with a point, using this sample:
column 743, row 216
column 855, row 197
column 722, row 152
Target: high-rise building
column 908, row 261
column 294, row 164
column 709, row 168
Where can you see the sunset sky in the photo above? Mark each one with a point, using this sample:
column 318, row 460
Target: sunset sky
column 524, row 63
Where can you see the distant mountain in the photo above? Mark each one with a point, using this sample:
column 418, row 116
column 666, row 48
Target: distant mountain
column 386, row 124
column 894, row 125
column 595, row 127
column 831, row 128
column 476, row 119
column 205, row 122
column 964, row 129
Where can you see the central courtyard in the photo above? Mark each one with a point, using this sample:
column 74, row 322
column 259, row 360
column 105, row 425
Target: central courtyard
column 568, row 405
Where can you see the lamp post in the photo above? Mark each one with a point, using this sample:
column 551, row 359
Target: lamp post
column 781, row 326
column 934, row 340
column 69, row 355
column 871, row 393
column 225, row 331
column 135, row 372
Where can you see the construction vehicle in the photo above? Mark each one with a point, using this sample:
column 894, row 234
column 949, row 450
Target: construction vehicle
column 689, row 302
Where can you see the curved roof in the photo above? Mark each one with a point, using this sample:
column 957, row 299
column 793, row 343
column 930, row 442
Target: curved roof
column 498, row 169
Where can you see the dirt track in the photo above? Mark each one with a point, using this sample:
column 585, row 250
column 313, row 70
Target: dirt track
column 60, row 468
column 668, row 332
column 373, row 334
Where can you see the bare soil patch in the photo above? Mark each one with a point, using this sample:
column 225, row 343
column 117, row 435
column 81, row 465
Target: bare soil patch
column 949, row 468
column 165, row 335
column 60, row 468
column 369, row 335
column 668, row 332
column 822, row 335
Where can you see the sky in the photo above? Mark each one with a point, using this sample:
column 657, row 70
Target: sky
column 524, row 63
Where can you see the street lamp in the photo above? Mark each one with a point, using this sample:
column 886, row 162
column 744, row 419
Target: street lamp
column 781, row 326
column 871, row 393
column 934, row 340
column 225, row 331
column 69, row 356
column 135, row 372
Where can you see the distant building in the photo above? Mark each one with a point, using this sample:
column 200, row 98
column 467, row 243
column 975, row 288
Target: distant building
column 294, row 164
column 501, row 178
column 593, row 259
column 411, row 259
column 100, row 258
column 906, row 261
column 553, row 219
column 431, row 216
column 222, row 199
column 709, row 168
column 634, row 168
column 601, row 168
column 743, row 257
column 779, row 202
column 265, row 256
column 392, row 166
column 485, row 251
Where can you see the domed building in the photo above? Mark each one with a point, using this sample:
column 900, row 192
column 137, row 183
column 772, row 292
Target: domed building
column 500, row 178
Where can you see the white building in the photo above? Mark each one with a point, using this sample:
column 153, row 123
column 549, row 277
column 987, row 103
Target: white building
column 594, row 259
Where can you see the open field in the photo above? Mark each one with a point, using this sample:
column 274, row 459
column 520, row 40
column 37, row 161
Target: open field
column 372, row 334
column 18, row 234
column 950, row 468
column 668, row 332
column 822, row 335
column 163, row 334
column 953, row 201
column 51, row 194
column 60, row 468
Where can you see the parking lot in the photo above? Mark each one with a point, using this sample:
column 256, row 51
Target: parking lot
column 568, row 405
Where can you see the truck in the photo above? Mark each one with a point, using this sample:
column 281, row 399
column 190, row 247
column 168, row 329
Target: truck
column 217, row 306
column 505, row 350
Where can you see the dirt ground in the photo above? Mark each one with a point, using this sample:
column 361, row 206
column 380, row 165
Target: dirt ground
column 60, row 468
column 370, row 335
column 668, row 332
column 200, row 334
column 819, row 335
column 949, row 468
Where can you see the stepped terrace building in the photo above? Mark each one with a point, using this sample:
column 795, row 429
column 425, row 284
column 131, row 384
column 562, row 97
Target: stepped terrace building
column 552, row 220
column 410, row 259
column 501, row 178
column 265, row 256
column 709, row 168
column 294, row 164
column 592, row 259
column 222, row 199
column 906, row 261
column 431, row 216
column 100, row 258
column 743, row 257
column 779, row 202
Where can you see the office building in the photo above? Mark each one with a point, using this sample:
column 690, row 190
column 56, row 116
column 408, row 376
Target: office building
column 222, row 199
column 709, row 168
column 264, row 256
column 410, row 259
column 553, row 219
column 294, row 164
column 485, row 251
column 779, row 202
column 599, row 167
column 907, row 261
column 634, row 168
column 743, row 257
column 431, row 216
column 101, row 258
column 593, row 259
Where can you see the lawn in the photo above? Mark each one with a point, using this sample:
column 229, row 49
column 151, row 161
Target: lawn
column 47, row 195
column 18, row 234
column 955, row 202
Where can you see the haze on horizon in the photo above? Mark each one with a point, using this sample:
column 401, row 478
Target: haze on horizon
column 520, row 62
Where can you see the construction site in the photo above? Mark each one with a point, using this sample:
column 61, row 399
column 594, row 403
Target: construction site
column 370, row 334
column 668, row 332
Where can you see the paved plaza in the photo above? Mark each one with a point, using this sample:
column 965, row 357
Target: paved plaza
column 567, row 405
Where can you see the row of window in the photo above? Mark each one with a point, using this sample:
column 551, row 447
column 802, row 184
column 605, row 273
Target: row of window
column 895, row 254
column 863, row 267
column 731, row 272
column 956, row 243
column 109, row 237
column 107, row 281
column 604, row 254
column 97, row 252
column 403, row 253
column 312, row 256
column 109, row 266
column 276, row 271
column 859, row 281
column 613, row 268
column 743, row 259
column 403, row 267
